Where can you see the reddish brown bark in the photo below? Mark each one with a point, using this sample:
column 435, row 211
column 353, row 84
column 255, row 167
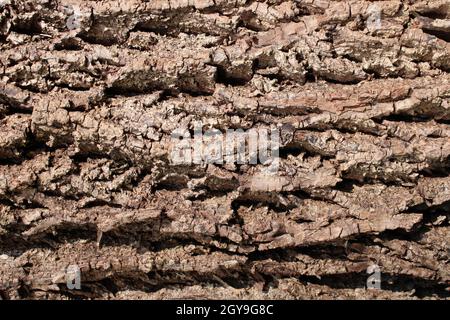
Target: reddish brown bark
column 91, row 91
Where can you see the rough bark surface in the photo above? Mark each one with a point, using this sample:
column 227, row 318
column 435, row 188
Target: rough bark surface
column 91, row 91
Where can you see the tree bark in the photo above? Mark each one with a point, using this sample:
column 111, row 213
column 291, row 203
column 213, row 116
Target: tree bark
column 91, row 93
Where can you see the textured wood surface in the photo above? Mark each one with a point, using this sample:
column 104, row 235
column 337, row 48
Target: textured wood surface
column 91, row 91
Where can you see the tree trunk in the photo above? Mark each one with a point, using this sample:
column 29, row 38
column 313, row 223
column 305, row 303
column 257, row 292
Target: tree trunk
column 94, row 93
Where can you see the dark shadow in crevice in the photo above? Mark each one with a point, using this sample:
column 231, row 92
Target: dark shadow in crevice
column 443, row 35
column 224, row 78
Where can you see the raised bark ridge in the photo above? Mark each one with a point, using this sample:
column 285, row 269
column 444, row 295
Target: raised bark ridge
column 91, row 91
